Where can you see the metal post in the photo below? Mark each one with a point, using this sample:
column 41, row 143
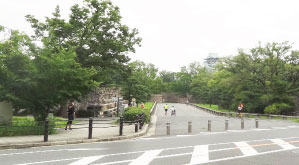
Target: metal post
column 117, row 110
column 226, row 124
column 140, row 121
column 121, row 125
column 168, row 128
column 242, row 123
column 190, row 127
column 46, row 134
column 256, row 123
column 209, row 125
column 136, row 127
column 90, row 128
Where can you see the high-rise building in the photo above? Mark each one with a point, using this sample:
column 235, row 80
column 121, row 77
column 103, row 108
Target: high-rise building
column 211, row 61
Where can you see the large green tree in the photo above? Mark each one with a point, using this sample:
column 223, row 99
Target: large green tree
column 96, row 33
column 141, row 82
column 39, row 79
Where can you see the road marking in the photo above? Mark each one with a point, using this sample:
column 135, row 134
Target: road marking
column 293, row 126
column 200, row 154
column 146, row 157
column 86, row 160
column 246, row 149
column 173, row 148
column 58, row 150
column 279, row 127
column 283, row 144
column 244, row 156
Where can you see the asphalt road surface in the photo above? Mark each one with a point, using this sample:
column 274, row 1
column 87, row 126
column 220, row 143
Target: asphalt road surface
column 275, row 142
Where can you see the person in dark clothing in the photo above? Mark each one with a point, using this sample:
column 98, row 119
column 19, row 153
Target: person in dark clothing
column 70, row 114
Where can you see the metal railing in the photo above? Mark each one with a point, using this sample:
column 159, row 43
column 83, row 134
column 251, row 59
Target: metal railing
column 50, row 126
column 256, row 115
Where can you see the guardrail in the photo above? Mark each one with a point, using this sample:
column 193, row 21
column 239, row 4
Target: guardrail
column 256, row 115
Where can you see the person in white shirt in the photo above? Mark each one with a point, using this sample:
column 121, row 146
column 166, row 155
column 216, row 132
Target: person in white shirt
column 173, row 111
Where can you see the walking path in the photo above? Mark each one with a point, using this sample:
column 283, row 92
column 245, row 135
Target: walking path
column 199, row 119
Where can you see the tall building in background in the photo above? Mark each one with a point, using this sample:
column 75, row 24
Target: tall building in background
column 211, row 61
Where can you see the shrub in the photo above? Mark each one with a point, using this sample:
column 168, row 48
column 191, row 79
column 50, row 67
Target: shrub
column 131, row 112
column 277, row 108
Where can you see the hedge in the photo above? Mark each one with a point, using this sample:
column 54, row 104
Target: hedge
column 131, row 112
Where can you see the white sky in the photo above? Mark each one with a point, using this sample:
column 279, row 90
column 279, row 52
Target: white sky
column 178, row 32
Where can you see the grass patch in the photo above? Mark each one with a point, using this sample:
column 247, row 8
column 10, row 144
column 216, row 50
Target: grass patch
column 214, row 107
column 28, row 126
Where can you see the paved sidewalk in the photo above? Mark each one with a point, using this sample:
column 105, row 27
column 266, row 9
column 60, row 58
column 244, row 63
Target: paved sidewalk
column 79, row 134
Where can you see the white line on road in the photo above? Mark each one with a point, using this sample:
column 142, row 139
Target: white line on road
column 244, row 156
column 58, row 150
column 246, row 149
column 200, row 154
column 283, row 144
column 146, row 157
column 87, row 160
column 172, row 148
column 280, row 127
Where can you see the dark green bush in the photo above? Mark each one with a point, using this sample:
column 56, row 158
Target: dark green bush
column 131, row 112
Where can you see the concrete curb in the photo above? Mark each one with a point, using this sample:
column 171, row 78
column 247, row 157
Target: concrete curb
column 74, row 141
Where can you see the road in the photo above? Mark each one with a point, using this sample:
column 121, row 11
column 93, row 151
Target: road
column 274, row 142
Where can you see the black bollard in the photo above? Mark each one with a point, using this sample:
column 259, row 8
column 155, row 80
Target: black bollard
column 121, row 125
column 46, row 134
column 90, row 128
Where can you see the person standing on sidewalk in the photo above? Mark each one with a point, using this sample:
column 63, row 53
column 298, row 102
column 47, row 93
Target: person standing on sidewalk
column 70, row 114
column 165, row 108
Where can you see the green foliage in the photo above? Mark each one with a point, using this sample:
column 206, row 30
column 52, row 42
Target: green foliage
column 140, row 83
column 131, row 112
column 277, row 108
column 94, row 30
column 39, row 79
column 264, row 76
column 29, row 126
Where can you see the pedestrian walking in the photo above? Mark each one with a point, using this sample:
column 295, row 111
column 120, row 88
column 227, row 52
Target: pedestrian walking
column 70, row 114
column 187, row 102
column 240, row 109
column 173, row 112
column 165, row 108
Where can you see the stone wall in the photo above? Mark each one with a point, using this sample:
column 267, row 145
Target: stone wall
column 175, row 98
column 98, row 101
column 156, row 97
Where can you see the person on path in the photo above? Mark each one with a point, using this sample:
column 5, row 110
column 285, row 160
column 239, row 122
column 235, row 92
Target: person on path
column 173, row 112
column 70, row 114
column 142, row 105
column 240, row 109
column 165, row 108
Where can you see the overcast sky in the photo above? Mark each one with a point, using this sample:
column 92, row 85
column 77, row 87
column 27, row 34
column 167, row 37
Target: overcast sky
column 178, row 32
